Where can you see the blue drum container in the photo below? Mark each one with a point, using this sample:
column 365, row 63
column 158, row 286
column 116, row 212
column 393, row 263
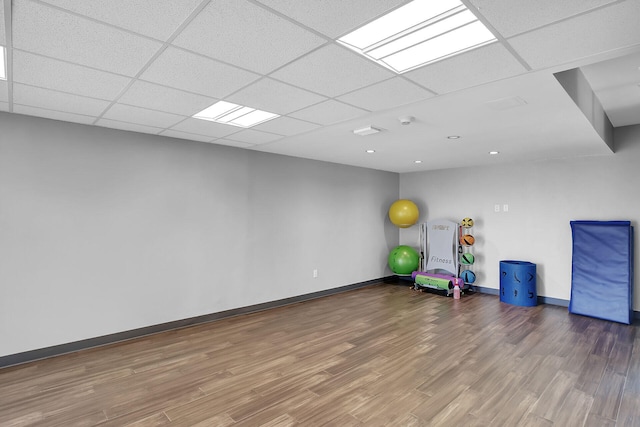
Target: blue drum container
column 518, row 283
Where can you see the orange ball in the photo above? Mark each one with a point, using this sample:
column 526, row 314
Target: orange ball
column 467, row 240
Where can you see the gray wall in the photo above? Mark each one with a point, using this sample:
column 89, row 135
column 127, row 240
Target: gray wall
column 542, row 197
column 103, row 231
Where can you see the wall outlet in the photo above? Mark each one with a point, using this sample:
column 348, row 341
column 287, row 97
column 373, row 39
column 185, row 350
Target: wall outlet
column 315, row 273
column 496, row 208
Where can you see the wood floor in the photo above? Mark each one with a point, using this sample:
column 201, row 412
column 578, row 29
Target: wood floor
column 379, row 356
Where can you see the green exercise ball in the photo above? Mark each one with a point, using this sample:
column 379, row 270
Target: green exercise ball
column 403, row 260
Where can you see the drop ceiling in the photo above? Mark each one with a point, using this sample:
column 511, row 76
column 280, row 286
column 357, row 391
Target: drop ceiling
column 149, row 65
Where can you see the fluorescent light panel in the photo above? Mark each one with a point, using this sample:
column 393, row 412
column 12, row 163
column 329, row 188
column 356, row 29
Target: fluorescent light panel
column 3, row 66
column 419, row 33
column 233, row 114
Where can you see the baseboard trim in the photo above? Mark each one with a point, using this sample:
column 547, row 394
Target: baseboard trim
column 553, row 301
column 541, row 299
column 483, row 290
column 58, row 350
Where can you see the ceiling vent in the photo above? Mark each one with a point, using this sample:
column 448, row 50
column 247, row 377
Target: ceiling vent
column 369, row 130
column 506, row 103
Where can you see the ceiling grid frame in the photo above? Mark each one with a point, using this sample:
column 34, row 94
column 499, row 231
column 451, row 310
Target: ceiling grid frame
column 323, row 102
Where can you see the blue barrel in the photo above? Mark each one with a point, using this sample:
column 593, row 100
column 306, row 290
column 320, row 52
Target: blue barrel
column 518, row 283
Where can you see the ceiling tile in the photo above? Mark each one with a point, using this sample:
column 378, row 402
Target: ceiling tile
column 42, row 29
column 59, row 101
column 275, row 97
column 185, row 135
column 251, row 136
column 36, row 70
column 155, row 97
column 141, row 116
column 582, row 36
column 54, row 115
column 332, row 71
column 3, row 40
column 512, row 17
column 328, row 112
column 61, row 56
column 230, row 143
column 194, row 73
column 334, row 17
column 205, row 127
column 131, row 127
column 248, row 45
column 483, row 65
column 286, row 126
column 387, row 94
column 154, row 18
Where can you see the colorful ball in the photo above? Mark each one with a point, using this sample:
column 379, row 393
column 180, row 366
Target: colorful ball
column 468, row 276
column 403, row 260
column 467, row 240
column 467, row 222
column 467, row 258
column 403, row 213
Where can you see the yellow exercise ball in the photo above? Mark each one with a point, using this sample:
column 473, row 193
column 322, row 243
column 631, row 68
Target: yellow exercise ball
column 403, row 213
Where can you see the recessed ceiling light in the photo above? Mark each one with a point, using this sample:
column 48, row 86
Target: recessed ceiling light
column 453, row 137
column 419, row 33
column 493, row 153
column 369, row 130
column 417, row 161
column 234, row 114
column 371, row 151
column 3, row 67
